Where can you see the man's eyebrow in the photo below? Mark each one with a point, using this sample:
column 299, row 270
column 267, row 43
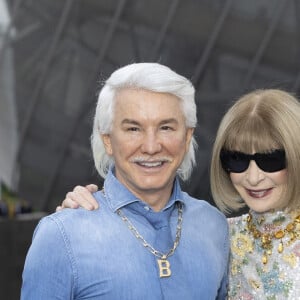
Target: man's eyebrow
column 134, row 122
column 130, row 121
column 171, row 120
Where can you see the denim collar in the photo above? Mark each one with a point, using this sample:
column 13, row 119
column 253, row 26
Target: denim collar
column 118, row 195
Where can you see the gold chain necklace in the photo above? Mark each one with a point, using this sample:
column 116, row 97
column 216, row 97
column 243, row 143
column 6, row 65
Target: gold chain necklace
column 266, row 239
column 163, row 263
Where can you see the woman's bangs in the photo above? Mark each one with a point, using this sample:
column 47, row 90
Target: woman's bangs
column 253, row 135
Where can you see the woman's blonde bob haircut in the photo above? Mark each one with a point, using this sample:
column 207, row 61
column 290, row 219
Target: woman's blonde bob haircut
column 259, row 121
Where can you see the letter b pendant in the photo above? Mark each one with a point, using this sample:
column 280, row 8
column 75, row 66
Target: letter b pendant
column 164, row 268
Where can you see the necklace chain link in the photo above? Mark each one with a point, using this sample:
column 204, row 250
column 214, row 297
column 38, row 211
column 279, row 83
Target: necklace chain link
column 149, row 247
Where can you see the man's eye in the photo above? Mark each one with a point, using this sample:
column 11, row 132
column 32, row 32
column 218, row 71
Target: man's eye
column 166, row 128
column 133, row 129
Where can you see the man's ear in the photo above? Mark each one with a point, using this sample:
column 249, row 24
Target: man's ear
column 189, row 135
column 107, row 143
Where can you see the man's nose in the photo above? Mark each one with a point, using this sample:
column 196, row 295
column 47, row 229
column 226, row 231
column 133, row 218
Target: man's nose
column 151, row 143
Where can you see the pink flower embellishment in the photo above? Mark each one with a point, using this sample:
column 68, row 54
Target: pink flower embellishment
column 296, row 250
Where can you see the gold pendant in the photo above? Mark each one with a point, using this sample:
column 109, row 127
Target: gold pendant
column 164, row 268
column 280, row 247
column 265, row 258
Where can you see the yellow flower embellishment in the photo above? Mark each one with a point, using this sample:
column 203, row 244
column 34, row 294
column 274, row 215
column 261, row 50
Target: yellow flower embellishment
column 234, row 267
column 241, row 244
column 255, row 284
column 290, row 259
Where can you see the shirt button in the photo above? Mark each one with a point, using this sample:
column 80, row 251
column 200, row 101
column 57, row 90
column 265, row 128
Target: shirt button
column 146, row 207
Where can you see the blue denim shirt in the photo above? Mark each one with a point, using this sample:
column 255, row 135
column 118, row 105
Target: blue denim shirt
column 80, row 254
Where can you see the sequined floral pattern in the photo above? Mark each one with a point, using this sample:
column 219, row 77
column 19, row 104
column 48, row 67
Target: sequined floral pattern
column 241, row 244
column 278, row 278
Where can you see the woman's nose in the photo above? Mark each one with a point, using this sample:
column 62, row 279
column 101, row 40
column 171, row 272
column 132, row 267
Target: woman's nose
column 254, row 174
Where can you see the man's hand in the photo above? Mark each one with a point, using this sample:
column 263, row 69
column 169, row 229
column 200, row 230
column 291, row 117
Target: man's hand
column 80, row 196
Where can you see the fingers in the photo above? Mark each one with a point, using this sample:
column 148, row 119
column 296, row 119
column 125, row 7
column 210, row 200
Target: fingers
column 67, row 203
column 81, row 196
column 92, row 188
column 70, row 201
column 58, row 208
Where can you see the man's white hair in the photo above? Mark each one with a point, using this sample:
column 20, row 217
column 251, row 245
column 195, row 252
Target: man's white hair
column 148, row 76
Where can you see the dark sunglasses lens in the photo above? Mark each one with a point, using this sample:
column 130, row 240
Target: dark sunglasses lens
column 233, row 161
column 271, row 162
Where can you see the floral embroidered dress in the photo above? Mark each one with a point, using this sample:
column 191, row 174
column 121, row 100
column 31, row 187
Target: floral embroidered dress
column 265, row 259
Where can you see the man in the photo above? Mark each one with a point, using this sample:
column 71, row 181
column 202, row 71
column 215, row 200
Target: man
column 149, row 240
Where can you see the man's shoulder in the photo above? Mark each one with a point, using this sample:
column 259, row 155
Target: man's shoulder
column 192, row 201
column 68, row 219
column 200, row 214
column 63, row 217
column 202, row 207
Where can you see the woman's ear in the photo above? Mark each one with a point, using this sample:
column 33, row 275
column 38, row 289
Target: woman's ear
column 107, row 143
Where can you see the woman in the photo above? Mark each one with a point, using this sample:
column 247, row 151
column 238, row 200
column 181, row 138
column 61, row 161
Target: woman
column 255, row 163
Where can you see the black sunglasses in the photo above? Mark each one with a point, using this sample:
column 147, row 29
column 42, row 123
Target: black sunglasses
column 238, row 162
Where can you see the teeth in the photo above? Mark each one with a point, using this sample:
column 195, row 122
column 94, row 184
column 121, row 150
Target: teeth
column 150, row 164
column 258, row 194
